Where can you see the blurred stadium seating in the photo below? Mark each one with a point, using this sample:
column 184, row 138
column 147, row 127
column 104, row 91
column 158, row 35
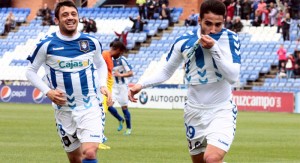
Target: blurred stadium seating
column 258, row 45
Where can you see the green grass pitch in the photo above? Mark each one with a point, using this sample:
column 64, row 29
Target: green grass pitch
column 28, row 134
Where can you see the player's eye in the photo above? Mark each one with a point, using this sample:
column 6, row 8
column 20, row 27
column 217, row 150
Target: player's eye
column 208, row 23
column 218, row 24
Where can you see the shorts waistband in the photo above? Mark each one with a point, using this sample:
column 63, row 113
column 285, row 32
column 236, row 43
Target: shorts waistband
column 212, row 106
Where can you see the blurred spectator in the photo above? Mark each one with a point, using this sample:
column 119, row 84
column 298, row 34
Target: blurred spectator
column 272, row 14
column 47, row 20
column 85, row 23
column 230, row 10
column 228, row 23
column 287, row 7
column 165, row 13
column 56, row 2
column 39, row 14
column 254, row 7
column 46, row 10
column 161, row 2
column 122, row 37
column 297, row 71
column 237, row 9
column 10, row 23
column 226, row 2
column 192, row 19
column 42, row 12
column 265, row 15
column 297, row 65
column 91, row 26
column 281, row 53
column 246, row 9
column 141, row 5
column 237, row 25
column 282, row 72
column 279, row 17
column 257, row 19
column 289, row 66
column 151, row 6
column 138, row 24
column 261, row 6
column 286, row 23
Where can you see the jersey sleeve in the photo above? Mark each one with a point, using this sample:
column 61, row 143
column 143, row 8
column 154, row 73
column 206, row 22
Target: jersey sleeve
column 227, row 57
column 101, row 65
column 37, row 59
column 173, row 60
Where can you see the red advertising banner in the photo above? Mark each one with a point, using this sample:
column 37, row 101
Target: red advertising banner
column 264, row 101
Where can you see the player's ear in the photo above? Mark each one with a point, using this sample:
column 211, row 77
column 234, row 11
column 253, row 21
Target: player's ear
column 56, row 21
column 199, row 20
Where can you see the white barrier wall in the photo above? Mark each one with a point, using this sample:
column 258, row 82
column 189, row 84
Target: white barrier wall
column 159, row 99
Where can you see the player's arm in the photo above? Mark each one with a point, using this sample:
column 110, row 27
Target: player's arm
column 125, row 74
column 227, row 61
column 128, row 69
column 37, row 58
column 173, row 60
column 102, row 72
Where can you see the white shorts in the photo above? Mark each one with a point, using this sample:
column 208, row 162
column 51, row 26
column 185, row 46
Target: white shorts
column 120, row 94
column 214, row 125
column 79, row 126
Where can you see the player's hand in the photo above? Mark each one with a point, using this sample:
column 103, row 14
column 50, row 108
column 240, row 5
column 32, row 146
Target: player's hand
column 57, row 96
column 206, row 41
column 117, row 74
column 134, row 90
column 106, row 93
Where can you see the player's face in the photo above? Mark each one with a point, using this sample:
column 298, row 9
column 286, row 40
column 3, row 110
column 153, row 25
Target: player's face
column 211, row 23
column 68, row 20
column 115, row 53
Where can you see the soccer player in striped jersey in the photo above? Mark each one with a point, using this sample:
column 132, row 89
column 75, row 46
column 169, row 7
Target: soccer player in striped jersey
column 76, row 71
column 121, row 71
column 212, row 64
column 117, row 48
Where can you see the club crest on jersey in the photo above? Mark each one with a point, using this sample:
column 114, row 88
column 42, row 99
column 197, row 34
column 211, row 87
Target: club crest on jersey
column 84, row 45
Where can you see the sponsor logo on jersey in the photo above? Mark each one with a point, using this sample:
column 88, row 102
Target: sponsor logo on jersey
column 37, row 96
column 84, row 45
column 7, row 93
column 143, row 98
column 73, row 64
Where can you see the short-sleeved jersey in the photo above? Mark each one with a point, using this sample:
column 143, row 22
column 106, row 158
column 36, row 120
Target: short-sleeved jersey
column 122, row 66
column 69, row 68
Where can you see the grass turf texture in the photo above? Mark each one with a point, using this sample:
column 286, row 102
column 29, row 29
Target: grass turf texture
column 28, row 134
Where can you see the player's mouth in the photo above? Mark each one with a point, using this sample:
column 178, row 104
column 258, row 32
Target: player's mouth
column 70, row 24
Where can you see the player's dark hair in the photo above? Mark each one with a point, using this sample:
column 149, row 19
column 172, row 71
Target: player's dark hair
column 215, row 6
column 116, row 44
column 61, row 4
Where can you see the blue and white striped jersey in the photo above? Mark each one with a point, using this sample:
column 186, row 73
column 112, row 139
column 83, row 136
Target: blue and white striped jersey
column 209, row 72
column 200, row 63
column 122, row 66
column 72, row 65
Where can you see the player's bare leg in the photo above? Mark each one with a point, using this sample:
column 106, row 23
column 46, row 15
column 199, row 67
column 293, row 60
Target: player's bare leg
column 198, row 158
column 213, row 154
column 89, row 151
column 75, row 156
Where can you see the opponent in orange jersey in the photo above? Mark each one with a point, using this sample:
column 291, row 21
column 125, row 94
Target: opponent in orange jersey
column 117, row 48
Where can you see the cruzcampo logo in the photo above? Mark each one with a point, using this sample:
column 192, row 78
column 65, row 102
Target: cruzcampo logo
column 73, row 64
